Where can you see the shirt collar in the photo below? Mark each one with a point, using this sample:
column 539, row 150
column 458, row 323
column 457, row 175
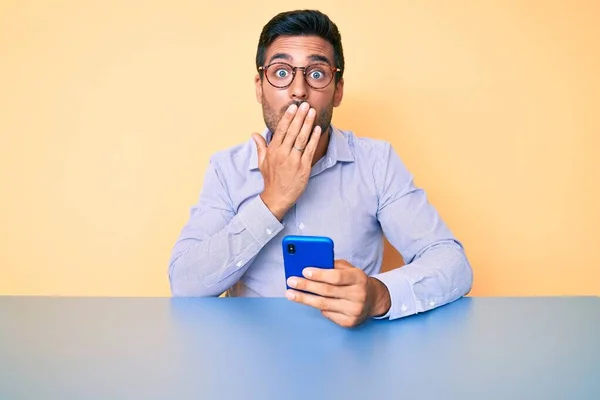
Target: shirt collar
column 337, row 150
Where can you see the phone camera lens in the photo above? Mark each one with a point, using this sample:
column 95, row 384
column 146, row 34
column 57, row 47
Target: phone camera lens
column 291, row 248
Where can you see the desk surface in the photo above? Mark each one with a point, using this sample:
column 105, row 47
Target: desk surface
column 475, row 348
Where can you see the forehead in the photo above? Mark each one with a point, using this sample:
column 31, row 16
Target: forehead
column 300, row 48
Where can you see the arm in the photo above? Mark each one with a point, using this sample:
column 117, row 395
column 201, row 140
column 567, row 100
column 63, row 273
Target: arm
column 437, row 270
column 217, row 246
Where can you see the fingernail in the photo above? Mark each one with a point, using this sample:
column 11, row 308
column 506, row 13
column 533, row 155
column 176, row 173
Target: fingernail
column 307, row 273
column 290, row 295
column 317, row 130
column 304, row 106
column 292, row 108
column 311, row 112
column 292, row 282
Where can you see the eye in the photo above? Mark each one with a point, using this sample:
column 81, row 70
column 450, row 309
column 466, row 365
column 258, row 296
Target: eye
column 317, row 75
column 281, row 73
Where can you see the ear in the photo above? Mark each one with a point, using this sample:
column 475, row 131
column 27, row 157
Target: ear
column 339, row 93
column 258, row 84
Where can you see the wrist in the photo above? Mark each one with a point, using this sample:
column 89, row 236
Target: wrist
column 381, row 298
column 277, row 207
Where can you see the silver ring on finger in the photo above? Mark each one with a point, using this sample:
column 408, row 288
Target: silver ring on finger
column 300, row 150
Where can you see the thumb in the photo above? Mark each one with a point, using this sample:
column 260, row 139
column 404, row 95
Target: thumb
column 342, row 264
column 261, row 147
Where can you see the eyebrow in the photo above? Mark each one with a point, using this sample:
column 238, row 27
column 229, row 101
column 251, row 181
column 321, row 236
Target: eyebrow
column 318, row 57
column 287, row 57
column 280, row 55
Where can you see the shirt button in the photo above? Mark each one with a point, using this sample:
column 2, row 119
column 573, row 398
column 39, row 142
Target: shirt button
column 404, row 308
column 269, row 231
column 239, row 264
column 301, row 226
column 432, row 303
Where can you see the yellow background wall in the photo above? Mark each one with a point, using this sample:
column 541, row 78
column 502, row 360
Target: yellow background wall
column 109, row 111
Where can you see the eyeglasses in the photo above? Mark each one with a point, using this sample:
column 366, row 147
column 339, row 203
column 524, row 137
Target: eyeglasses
column 281, row 75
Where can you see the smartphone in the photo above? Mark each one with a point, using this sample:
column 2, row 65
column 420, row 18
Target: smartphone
column 300, row 252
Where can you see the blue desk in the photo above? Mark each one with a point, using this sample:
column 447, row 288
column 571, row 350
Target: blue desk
column 475, row 348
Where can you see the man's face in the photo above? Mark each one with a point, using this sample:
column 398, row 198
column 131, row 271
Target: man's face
column 299, row 51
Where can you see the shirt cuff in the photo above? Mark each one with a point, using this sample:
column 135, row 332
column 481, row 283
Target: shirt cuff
column 260, row 221
column 402, row 297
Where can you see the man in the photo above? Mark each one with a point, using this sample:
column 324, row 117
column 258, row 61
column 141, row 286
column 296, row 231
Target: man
column 304, row 176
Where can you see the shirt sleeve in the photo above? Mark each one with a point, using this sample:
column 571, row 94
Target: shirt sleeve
column 437, row 270
column 217, row 245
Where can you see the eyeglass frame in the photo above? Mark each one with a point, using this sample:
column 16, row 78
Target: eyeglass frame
column 264, row 68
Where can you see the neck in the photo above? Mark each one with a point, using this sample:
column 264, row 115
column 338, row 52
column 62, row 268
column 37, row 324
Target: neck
column 322, row 146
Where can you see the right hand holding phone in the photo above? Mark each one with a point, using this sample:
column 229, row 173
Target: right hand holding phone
column 286, row 162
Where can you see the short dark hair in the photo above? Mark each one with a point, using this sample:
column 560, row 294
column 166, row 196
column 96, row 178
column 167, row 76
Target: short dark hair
column 301, row 23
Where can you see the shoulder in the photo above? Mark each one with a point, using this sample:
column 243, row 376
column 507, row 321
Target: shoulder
column 376, row 157
column 235, row 158
column 366, row 148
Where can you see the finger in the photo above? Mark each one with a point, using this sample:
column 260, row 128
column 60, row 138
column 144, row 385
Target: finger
column 311, row 147
column 320, row 302
column 354, row 293
column 304, row 133
column 261, row 147
column 283, row 125
column 337, row 277
column 295, row 126
column 322, row 289
column 341, row 319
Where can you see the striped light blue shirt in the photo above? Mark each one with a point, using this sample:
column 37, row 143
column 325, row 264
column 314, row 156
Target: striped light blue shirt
column 357, row 193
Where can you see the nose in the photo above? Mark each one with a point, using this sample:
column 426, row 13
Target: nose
column 299, row 88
